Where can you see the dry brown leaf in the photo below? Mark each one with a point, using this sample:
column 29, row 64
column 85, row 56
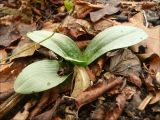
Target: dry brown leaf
column 154, row 64
column 8, row 34
column 76, row 27
column 125, row 63
column 96, row 91
column 50, row 26
column 13, row 32
column 102, row 24
column 108, row 10
column 116, row 111
column 26, row 46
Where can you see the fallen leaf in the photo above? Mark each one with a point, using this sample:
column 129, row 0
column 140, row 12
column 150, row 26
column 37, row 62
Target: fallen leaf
column 28, row 47
column 102, row 24
column 76, row 27
column 13, row 32
column 8, row 34
column 115, row 112
column 108, row 10
column 125, row 63
column 95, row 91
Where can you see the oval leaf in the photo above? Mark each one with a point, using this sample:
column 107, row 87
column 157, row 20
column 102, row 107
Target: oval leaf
column 59, row 43
column 38, row 76
column 113, row 38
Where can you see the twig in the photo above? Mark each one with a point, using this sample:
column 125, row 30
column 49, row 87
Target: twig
column 145, row 18
column 9, row 104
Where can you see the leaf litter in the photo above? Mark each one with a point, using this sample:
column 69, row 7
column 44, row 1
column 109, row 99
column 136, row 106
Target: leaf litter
column 123, row 84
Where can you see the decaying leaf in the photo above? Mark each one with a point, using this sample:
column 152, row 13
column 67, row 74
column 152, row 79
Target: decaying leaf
column 8, row 34
column 95, row 91
column 115, row 112
column 76, row 27
column 125, row 63
column 14, row 32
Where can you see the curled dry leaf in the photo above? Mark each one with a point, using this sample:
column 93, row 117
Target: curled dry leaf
column 125, row 63
column 116, row 111
column 76, row 27
column 95, row 91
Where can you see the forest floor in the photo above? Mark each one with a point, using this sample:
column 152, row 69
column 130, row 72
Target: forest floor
column 125, row 83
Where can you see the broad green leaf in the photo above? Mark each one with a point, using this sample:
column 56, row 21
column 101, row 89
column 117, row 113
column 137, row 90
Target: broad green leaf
column 38, row 76
column 68, row 5
column 59, row 43
column 113, row 38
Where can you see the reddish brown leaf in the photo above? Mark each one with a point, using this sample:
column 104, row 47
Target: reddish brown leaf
column 95, row 91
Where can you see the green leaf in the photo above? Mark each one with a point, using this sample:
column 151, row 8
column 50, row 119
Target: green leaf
column 68, row 5
column 113, row 38
column 39, row 76
column 59, row 43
